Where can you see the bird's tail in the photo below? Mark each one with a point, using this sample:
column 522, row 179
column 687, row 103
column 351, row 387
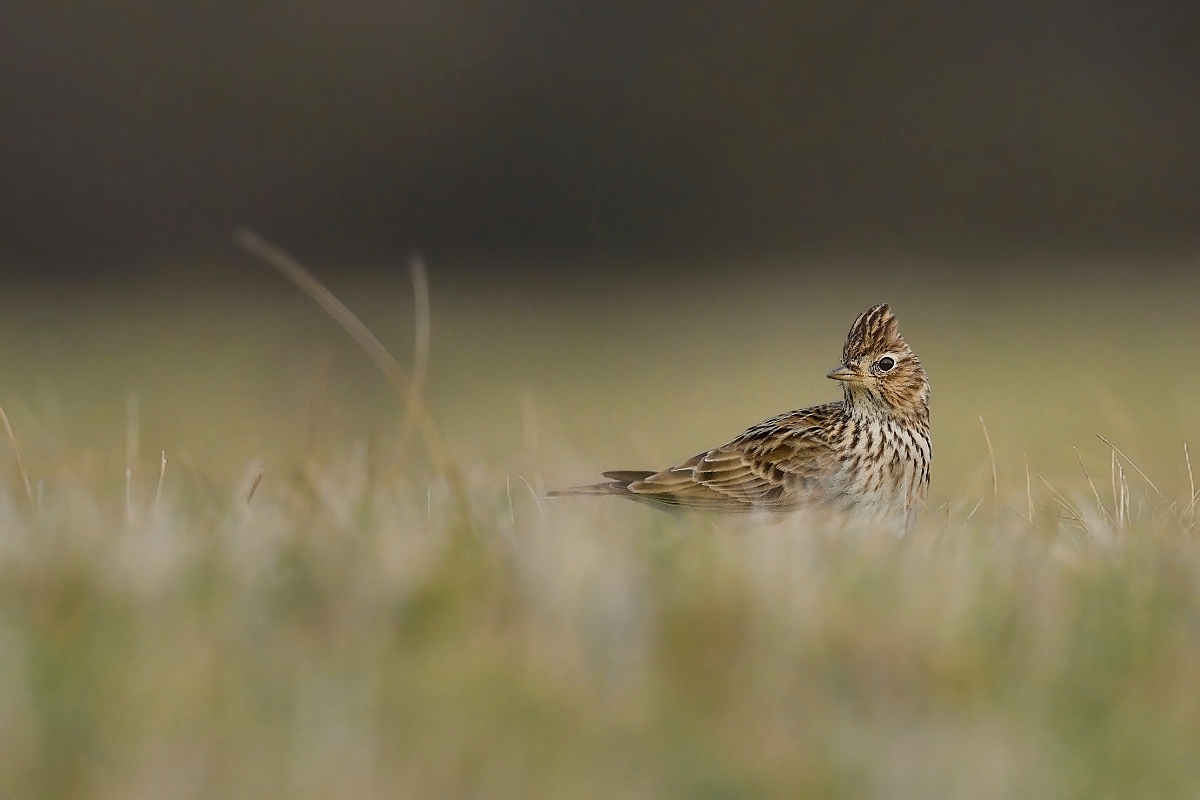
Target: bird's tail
column 617, row 484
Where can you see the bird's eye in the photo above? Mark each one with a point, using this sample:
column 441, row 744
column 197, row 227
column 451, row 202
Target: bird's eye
column 885, row 364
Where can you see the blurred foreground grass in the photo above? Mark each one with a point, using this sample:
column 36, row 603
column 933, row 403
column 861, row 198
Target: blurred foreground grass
column 359, row 630
column 356, row 634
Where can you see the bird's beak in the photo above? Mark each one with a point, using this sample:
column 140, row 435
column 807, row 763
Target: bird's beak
column 843, row 373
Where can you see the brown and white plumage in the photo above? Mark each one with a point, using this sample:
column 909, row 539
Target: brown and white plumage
column 864, row 458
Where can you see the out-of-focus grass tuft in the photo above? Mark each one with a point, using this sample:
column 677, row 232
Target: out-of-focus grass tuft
column 358, row 631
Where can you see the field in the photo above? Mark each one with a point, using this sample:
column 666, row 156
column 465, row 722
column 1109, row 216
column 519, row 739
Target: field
column 361, row 627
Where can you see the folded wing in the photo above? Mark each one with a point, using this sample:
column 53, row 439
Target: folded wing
column 777, row 465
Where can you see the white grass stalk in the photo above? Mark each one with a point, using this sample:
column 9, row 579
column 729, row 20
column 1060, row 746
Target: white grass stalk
column 12, row 439
column 162, row 474
column 1095, row 493
column 995, row 482
column 1132, row 464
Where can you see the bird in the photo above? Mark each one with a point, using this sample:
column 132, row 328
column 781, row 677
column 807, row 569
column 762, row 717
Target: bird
column 864, row 459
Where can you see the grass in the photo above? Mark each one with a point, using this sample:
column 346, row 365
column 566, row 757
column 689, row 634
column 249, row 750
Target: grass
column 320, row 613
column 353, row 633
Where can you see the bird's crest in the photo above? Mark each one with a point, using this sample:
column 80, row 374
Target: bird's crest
column 874, row 331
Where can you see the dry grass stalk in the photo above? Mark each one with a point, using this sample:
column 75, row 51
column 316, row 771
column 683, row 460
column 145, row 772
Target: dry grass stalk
column 1132, row 464
column 421, row 341
column 972, row 514
column 303, row 279
column 1062, row 501
column 1190, row 511
column 1028, row 490
column 1095, row 493
column 254, row 486
column 12, row 439
column 995, row 482
column 162, row 473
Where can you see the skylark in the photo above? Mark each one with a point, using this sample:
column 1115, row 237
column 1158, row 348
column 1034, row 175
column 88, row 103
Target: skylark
column 865, row 458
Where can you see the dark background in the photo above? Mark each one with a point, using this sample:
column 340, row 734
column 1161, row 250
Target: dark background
column 137, row 130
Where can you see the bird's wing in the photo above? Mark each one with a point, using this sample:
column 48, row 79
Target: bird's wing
column 773, row 465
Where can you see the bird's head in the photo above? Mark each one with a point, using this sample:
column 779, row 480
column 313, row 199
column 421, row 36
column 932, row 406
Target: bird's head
column 879, row 372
